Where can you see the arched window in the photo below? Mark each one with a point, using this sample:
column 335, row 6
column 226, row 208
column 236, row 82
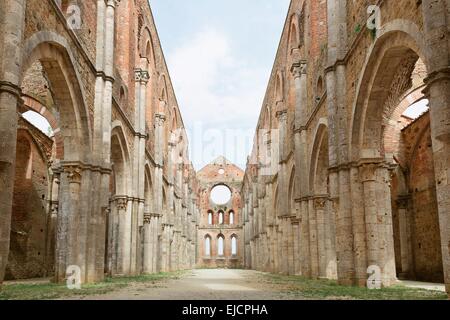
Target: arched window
column 210, row 218
column 208, row 246
column 220, row 217
column 220, row 245
column 233, row 245
column 231, row 217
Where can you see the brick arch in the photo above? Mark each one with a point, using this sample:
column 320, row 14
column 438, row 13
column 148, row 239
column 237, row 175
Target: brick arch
column 148, row 189
column 395, row 122
column 294, row 33
column 392, row 50
column 319, row 159
column 31, row 104
column 120, row 159
column 146, row 46
column 292, row 190
column 279, row 87
column 54, row 54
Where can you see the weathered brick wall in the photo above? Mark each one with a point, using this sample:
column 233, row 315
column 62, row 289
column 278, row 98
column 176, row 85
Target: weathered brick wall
column 209, row 177
column 42, row 16
column 29, row 212
column 422, row 187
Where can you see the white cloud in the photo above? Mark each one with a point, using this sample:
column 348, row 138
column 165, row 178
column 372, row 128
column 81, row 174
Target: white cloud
column 216, row 89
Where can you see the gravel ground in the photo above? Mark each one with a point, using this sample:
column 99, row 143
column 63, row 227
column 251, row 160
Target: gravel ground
column 201, row 284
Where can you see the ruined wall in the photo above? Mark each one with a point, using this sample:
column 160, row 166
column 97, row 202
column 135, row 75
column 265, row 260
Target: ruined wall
column 209, row 177
column 27, row 258
column 424, row 211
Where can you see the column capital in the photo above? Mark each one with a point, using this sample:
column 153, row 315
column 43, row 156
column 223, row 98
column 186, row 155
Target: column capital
column 403, row 201
column 435, row 76
column 73, row 173
column 299, row 68
column 121, row 203
column 320, row 203
column 160, row 118
column 141, row 76
column 112, row 3
column 11, row 88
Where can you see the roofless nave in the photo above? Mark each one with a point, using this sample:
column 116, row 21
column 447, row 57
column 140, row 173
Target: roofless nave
column 354, row 184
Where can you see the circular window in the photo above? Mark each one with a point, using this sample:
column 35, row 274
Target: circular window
column 221, row 171
column 220, row 194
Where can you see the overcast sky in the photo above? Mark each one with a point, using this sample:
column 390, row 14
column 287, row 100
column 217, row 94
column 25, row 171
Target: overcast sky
column 219, row 55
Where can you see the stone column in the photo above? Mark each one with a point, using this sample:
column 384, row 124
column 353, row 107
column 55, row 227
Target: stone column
column 12, row 22
column 52, row 220
column 321, row 223
column 359, row 228
column 123, row 237
column 299, row 72
column 313, row 245
column 290, row 242
column 378, row 220
column 436, row 16
column 67, row 242
column 147, row 262
column 296, row 246
column 406, row 249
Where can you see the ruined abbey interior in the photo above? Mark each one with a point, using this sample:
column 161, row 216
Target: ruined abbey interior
column 341, row 180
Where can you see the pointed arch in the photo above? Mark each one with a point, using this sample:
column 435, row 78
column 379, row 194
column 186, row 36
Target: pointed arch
column 397, row 42
column 319, row 159
column 120, row 159
column 53, row 52
column 279, row 87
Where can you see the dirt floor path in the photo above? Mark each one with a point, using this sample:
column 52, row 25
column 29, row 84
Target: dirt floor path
column 201, row 284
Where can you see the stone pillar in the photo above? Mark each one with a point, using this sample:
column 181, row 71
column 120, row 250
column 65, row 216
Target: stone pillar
column 299, row 72
column 296, row 246
column 141, row 79
column 12, row 22
column 123, row 236
column 436, row 16
column 378, row 219
column 406, row 249
column 359, row 228
column 68, row 243
column 305, row 247
column 313, row 245
column 321, row 223
column 52, row 221
column 147, row 263
column 290, row 242
column 339, row 177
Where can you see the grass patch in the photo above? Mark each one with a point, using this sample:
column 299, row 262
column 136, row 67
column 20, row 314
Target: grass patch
column 49, row 291
column 329, row 289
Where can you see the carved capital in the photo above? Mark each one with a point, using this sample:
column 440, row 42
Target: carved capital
column 403, row 202
column 320, row 203
column 298, row 69
column 54, row 208
column 160, row 119
column 147, row 218
column 141, row 76
column 367, row 172
column 121, row 203
column 282, row 115
column 73, row 174
column 112, row 3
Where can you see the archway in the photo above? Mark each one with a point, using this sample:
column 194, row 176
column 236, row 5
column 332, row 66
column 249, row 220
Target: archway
column 119, row 221
column 66, row 102
column 396, row 225
column 322, row 224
